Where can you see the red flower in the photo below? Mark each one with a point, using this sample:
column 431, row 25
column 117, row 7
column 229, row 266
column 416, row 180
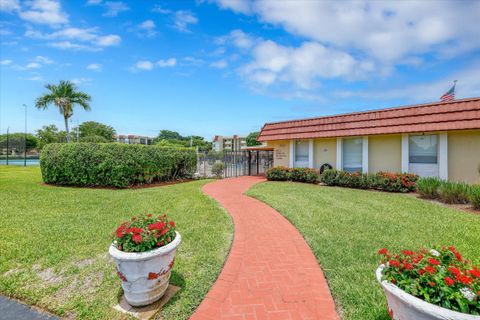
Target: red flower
column 120, row 232
column 172, row 224
column 458, row 256
column 475, row 272
column 152, row 276
column 431, row 283
column 137, row 238
column 408, row 266
column 454, row 271
column 163, row 231
column 161, row 243
column 430, row 269
column 394, row 263
column 452, row 248
column 157, row 226
column 408, row 252
column 383, row 251
column 433, row 262
column 134, row 230
column 449, row 281
column 464, row 279
column 421, row 271
column 149, row 215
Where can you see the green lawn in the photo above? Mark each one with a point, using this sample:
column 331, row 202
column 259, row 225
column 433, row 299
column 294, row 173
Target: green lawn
column 346, row 227
column 54, row 242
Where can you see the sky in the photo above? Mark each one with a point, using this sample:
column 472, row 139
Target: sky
column 226, row 67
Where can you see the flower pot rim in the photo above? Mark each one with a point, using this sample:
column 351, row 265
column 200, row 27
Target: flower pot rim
column 139, row 256
column 418, row 303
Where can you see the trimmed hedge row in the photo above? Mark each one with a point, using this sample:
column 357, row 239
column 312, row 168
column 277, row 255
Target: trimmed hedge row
column 293, row 174
column 385, row 181
column 113, row 164
column 449, row 192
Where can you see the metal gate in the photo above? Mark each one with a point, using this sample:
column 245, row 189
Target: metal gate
column 247, row 162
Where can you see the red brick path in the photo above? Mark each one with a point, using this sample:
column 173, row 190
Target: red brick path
column 270, row 273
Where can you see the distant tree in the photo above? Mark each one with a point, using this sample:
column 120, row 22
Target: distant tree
column 64, row 96
column 93, row 128
column 169, row 135
column 94, row 138
column 252, row 139
column 170, row 143
column 16, row 141
column 50, row 134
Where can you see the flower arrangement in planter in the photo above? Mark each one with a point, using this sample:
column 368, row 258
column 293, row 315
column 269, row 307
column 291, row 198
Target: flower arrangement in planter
column 430, row 284
column 144, row 252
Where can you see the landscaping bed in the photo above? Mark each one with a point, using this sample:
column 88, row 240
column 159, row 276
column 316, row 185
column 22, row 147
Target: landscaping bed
column 346, row 227
column 54, row 243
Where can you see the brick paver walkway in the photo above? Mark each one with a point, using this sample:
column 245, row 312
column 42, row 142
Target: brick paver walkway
column 270, row 273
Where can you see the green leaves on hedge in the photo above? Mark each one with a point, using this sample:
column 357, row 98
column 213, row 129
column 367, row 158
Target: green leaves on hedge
column 113, row 164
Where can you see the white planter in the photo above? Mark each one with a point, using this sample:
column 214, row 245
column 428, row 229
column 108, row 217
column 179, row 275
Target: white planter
column 404, row 306
column 145, row 275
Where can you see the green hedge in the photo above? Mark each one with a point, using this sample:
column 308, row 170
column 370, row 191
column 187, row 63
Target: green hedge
column 385, row 181
column 113, row 164
column 449, row 192
column 293, row 174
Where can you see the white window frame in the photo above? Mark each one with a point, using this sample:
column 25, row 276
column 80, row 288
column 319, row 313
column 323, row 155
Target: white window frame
column 310, row 162
column 442, row 153
column 339, row 157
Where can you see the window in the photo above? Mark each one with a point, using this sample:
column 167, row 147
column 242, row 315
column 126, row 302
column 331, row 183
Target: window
column 352, row 154
column 423, row 149
column 301, row 153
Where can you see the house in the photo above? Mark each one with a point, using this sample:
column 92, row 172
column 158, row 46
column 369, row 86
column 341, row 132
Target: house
column 232, row 143
column 133, row 139
column 440, row 139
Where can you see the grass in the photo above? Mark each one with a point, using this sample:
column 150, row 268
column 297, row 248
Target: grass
column 346, row 227
column 54, row 242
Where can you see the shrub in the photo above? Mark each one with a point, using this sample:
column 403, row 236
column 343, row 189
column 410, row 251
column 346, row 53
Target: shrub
column 474, row 197
column 381, row 181
column 144, row 233
column 428, row 187
column 453, row 192
column 293, row 174
column 217, row 169
column 97, row 139
column 114, row 164
column 440, row 277
column 278, row 174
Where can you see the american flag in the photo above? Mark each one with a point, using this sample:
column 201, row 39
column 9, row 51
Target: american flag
column 450, row 94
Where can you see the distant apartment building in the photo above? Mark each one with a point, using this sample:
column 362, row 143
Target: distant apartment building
column 232, row 143
column 133, row 139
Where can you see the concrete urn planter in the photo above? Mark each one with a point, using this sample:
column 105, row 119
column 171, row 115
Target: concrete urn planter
column 145, row 275
column 404, row 306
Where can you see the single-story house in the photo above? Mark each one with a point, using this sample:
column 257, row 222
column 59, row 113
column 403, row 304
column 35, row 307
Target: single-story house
column 440, row 139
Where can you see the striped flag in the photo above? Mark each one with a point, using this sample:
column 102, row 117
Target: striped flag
column 450, row 94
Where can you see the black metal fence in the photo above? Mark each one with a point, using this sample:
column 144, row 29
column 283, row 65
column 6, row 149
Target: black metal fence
column 16, row 150
column 235, row 163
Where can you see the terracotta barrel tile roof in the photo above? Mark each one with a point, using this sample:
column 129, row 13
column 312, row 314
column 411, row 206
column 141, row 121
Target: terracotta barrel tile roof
column 439, row 116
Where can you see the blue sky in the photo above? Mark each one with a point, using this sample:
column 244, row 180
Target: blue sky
column 227, row 67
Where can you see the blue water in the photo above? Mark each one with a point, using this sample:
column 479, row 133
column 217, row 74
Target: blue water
column 19, row 162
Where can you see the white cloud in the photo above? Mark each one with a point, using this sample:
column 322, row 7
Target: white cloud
column 171, row 62
column 220, row 64
column 43, row 60
column 5, row 62
column 114, row 8
column 182, row 19
column 158, row 9
column 387, row 31
column 146, row 28
column 79, row 81
column 44, row 12
column 34, row 78
column 144, row 65
column 33, row 65
column 147, row 25
column 94, row 2
column 94, row 67
column 86, row 39
column 9, row 5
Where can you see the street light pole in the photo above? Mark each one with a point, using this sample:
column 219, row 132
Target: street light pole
column 25, row 139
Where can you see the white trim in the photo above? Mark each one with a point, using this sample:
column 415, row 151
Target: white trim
column 292, row 154
column 443, row 156
column 405, row 155
column 310, row 153
column 339, row 158
column 365, row 154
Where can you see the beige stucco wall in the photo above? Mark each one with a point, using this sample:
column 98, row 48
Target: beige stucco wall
column 464, row 156
column 385, row 153
column 281, row 153
column 324, row 151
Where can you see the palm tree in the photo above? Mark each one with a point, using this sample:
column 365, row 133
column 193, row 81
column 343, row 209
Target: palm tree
column 64, row 96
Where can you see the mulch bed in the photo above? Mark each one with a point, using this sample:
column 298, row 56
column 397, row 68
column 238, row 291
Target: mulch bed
column 137, row 186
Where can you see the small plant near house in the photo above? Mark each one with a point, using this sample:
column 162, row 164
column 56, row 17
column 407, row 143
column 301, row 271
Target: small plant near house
column 293, row 174
column 454, row 192
column 278, row 173
column 442, row 277
column 428, row 187
column 474, row 197
column 217, row 169
column 144, row 233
